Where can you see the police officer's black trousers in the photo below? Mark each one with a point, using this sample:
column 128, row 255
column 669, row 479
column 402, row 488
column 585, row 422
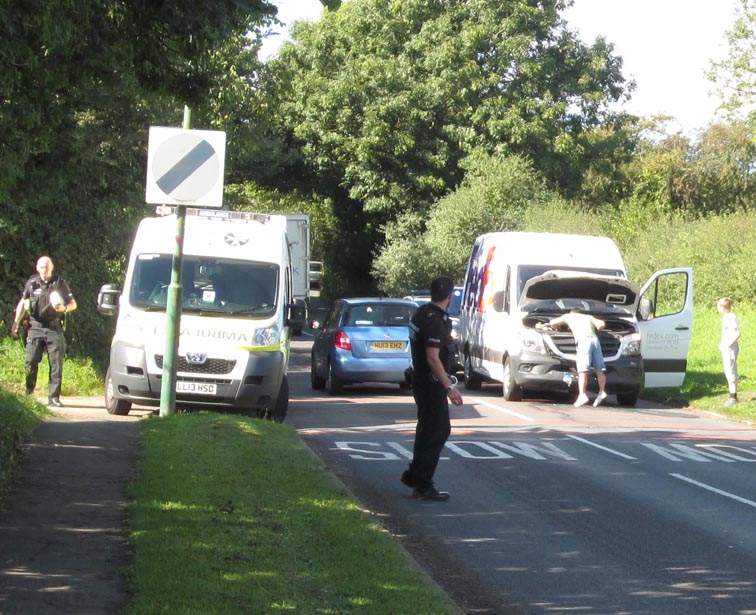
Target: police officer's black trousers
column 433, row 429
column 37, row 342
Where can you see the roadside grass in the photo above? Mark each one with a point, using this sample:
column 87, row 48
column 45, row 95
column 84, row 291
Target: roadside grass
column 19, row 415
column 705, row 387
column 80, row 376
column 232, row 515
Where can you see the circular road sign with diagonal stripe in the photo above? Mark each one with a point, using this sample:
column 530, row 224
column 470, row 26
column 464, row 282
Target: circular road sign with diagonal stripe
column 185, row 167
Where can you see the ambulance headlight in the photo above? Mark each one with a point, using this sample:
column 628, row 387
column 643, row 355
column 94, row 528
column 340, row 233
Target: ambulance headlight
column 269, row 336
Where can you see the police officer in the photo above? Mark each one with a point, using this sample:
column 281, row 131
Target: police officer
column 431, row 342
column 47, row 298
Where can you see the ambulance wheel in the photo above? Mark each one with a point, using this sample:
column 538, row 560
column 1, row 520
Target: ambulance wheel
column 278, row 413
column 112, row 404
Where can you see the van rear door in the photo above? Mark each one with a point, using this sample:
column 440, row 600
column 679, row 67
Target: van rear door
column 665, row 318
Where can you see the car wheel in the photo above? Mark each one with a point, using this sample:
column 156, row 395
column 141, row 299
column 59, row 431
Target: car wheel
column 317, row 383
column 472, row 380
column 510, row 389
column 112, row 404
column 333, row 383
column 627, row 399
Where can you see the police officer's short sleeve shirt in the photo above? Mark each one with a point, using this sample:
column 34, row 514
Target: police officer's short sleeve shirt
column 431, row 330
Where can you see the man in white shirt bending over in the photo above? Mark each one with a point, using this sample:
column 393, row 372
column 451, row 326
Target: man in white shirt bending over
column 584, row 329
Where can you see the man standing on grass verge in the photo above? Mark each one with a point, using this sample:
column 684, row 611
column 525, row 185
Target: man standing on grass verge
column 431, row 343
column 48, row 298
column 729, row 347
column 584, row 329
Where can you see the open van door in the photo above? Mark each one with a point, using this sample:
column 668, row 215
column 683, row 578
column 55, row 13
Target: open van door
column 665, row 318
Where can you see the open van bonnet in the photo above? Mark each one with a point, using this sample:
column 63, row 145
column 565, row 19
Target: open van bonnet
column 560, row 284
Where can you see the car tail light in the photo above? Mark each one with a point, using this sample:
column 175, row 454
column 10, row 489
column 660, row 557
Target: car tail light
column 341, row 340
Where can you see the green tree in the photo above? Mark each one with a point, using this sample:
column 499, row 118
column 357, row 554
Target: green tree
column 735, row 75
column 497, row 193
column 383, row 99
column 80, row 83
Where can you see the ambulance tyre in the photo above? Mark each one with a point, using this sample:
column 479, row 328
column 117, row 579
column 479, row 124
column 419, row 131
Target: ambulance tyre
column 112, row 404
column 278, row 413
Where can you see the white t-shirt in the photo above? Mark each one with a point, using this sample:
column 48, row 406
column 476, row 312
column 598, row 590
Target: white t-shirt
column 730, row 331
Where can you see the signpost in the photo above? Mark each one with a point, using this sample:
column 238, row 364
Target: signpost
column 184, row 167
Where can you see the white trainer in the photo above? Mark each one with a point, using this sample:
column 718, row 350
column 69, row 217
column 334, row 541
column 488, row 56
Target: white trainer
column 581, row 401
column 600, row 399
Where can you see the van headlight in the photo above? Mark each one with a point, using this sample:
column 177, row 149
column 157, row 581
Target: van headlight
column 269, row 336
column 631, row 344
column 532, row 341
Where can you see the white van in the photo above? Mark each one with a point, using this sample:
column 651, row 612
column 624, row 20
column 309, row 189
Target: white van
column 237, row 310
column 517, row 280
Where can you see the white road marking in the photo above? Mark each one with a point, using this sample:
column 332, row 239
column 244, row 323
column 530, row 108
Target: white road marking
column 603, row 448
column 522, row 417
column 732, row 496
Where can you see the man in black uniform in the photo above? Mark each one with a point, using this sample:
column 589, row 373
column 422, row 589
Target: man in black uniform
column 47, row 298
column 431, row 341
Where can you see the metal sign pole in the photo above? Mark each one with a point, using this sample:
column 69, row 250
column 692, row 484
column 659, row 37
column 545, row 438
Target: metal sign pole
column 173, row 307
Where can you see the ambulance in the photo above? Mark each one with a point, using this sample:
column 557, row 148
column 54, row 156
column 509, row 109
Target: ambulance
column 237, row 314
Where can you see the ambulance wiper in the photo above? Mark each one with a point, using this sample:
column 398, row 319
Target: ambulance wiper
column 251, row 310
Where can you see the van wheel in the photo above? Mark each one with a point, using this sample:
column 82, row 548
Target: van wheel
column 511, row 391
column 112, row 404
column 472, row 380
column 278, row 413
column 627, row 399
column 333, row 382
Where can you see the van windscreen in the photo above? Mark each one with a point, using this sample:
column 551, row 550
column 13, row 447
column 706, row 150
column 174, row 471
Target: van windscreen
column 210, row 285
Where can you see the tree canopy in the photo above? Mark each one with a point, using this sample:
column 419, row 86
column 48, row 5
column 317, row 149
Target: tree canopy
column 80, row 83
column 380, row 101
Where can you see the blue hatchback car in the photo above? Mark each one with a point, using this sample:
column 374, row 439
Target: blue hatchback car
column 362, row 340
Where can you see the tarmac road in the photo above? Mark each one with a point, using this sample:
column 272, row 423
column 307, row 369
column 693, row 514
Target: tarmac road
column 63, row 537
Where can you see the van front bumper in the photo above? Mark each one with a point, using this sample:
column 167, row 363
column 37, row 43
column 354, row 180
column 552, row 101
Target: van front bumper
column 538, row 372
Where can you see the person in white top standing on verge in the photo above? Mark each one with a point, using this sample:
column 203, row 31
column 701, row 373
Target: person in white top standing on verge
column 584, row 329
column 729, row 347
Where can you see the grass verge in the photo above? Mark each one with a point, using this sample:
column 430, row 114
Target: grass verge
column 705, row 387
column 232, row 515
column 19, row 415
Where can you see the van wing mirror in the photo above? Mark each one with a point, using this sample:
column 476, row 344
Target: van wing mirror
column 646, row 309
column 296, row 316
column 107, row 299
column 498, row 301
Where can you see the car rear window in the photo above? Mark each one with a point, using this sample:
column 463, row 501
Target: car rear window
column 379, row 315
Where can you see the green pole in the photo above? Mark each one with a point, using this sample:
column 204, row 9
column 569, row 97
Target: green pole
column 173, row 307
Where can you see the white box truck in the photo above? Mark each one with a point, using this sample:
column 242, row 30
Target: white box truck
column 237, row 312
column 298, row 231
column 516, row 280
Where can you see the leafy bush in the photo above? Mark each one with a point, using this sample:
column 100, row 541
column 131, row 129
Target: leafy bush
column 495, row 195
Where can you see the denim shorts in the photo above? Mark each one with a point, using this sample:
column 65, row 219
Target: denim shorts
column 589, row 355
